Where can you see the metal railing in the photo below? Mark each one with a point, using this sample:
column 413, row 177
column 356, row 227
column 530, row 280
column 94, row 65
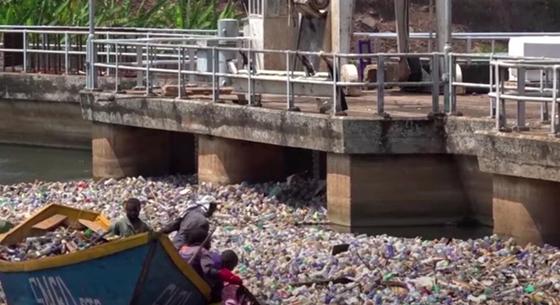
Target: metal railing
column 543, row 95
column 540, row 89
column 467, row 38
column 57, row 50
column 180, row 56
column 247, row 75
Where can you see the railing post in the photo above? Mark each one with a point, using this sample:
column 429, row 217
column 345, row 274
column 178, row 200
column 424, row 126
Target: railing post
column 24, row 51
column 107, row 54
column 521, row 104
column 249, row 77
column 192, row 67
column 148, row 66
column 215, row 81
column 545, row 118
column 452, row 91
column 289, row 90
column 66, row 53
column 91, row 75
column 498, row 97
column 380, row 85
column 139, row 63
column 179, row 73
column 435, row 83
column 446, row 79
column 116, row 67
column 553, row 125
column 492, row 87
column 335, row 106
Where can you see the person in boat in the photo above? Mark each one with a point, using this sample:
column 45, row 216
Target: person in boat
column 233, row 292
column 229, row 262
column 130, row 224
column 195, row 218
column 196, row 252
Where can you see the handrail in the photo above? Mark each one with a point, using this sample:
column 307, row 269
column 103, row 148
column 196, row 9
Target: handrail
column 151, row 54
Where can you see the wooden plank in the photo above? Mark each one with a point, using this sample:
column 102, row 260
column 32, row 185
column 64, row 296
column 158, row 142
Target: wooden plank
column 92, row 225
column 51, row 222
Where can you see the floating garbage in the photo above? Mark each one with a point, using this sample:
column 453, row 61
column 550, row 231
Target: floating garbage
column 286, row 256
column 5, row 226
column 58, row 242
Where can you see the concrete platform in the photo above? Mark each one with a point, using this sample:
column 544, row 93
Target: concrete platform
column 411, row 169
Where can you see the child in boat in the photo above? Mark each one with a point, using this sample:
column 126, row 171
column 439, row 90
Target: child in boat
column 229, row 262
column 130, row 224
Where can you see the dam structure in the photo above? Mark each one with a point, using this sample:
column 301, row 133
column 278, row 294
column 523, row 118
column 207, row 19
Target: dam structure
column 402, row 139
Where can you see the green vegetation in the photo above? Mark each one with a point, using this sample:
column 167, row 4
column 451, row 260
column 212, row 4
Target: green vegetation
column 195, row 14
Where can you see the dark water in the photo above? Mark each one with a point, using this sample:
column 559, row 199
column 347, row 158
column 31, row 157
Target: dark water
column 29, row 163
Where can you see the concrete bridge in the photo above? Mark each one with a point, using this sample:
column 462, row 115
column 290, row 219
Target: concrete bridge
column 391, row 159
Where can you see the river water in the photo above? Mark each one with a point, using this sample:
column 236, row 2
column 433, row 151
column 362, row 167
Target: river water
column 29, row 163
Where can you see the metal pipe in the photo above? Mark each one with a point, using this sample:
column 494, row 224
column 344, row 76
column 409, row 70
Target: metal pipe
column 66, row 54
column 215, row 82
column 334, row 80
column 492, row 101
column 435, row 85
column 24, row 51
column 498, row 98
column 452, row 92
column 380, row 85
column 107, row 53
column 544, row 106
column 553, row 126
column 249, row 76
column 91, row 76
column 148, row 64
column 521, row 109
column 448, row 82
column 180, row 52
column 116, row 68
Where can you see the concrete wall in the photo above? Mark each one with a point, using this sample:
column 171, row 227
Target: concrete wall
column 53, row 124
column 39, row 109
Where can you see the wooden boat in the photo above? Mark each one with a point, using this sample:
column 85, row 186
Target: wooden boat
column 143, row 270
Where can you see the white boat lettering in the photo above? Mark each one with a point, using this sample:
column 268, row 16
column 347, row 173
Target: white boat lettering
column 52, row 290
column 173, row 295
column 87, row 301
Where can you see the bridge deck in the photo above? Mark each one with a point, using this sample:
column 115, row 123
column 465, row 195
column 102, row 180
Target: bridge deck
column 403, row 105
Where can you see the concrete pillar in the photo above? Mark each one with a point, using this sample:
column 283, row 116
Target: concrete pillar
column 393, row 190
column 341, row 15
column 226, row 161
column 478, row 188
column 527, row 209
column 123, row 151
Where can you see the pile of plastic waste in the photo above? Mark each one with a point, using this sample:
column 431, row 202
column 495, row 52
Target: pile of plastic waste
column 287, row 255
column 58, row 242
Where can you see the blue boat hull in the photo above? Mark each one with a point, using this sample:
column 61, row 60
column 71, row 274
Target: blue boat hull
column 139, row 270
